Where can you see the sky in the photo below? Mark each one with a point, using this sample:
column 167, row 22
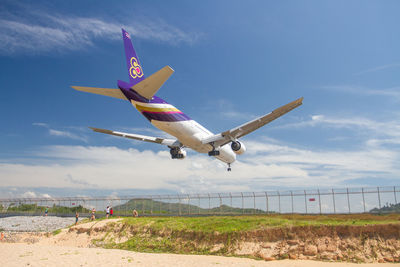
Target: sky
column 233, row 61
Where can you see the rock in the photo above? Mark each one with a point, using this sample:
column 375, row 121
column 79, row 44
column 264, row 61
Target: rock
column 310, row 250
column 302, row 257
column 292, row 256
column 321, row 248
column 388, row 259
column 266, row 246
column 331, row 247
column 293, row 242
column 327, row 256
column 267, row 258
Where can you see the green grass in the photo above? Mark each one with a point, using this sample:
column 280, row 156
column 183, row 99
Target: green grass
column 56, row 232
column 198, row 235
column 228, row 224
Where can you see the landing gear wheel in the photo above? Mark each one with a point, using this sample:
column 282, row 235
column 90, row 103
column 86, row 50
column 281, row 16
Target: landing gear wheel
column 229, row 167
column 213, row 152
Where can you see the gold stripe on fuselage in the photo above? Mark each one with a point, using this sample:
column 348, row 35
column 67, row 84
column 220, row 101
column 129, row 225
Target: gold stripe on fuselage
column 155, row 109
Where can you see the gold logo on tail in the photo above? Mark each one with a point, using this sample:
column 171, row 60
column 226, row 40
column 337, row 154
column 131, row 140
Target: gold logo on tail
column 135, row 70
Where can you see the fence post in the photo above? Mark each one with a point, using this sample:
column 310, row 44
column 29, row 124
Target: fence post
column 254, row 202
column 334, row 204
column 362, row 191
column 266, row 202
column 220, row 203
column 169, row 205
column 319, row 202
column 151, row 208
column 379, row 198
column 179, row 199
column 348, row 199
column 291, row 195
column 395, row 198
column 160, row 206
column 230, row 195
column 279, row 201
column 198, row 209
column 305, row 201
column 209, row 203
column 242, row 202
column 189, row 204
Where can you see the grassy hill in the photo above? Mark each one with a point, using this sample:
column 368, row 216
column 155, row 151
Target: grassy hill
column 149, row 206
column 356, row 237
column 389, row 208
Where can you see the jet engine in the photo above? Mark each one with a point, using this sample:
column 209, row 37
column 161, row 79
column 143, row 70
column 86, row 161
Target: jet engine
column 238, row 147
column 177, row 153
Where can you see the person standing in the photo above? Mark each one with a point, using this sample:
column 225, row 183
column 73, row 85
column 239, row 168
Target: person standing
column 135, row 213
column 107, row 211
column 46, row 211
column 76, row 218
column 92, row 218
column 111, row 211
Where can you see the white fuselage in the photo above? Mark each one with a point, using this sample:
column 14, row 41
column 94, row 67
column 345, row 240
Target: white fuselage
column 189, row 132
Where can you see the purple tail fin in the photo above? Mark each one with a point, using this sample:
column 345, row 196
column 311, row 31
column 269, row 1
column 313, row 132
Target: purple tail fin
column 134, row 68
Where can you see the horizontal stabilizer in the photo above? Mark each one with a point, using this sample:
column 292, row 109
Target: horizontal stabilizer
column 149, row 87
column 102, row 91
column 162, row 141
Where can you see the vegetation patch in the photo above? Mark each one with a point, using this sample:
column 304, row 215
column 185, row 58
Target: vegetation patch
column 56, row 232
column 333, row 237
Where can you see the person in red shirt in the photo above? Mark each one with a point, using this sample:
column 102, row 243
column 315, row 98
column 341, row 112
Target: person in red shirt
column 111, row 211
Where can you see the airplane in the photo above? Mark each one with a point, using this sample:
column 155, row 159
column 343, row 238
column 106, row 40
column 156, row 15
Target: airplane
column 140, row 92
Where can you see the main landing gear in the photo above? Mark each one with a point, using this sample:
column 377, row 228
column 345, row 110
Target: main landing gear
column 229, row 167
column 213, row 152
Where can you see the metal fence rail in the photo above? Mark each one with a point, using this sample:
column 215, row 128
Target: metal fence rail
column 318, row 201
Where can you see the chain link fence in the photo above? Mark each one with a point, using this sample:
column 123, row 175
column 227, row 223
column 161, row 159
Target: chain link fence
column 319, row 201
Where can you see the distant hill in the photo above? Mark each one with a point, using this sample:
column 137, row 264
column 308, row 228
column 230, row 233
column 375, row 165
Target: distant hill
column 389, row 208
column 145, row 206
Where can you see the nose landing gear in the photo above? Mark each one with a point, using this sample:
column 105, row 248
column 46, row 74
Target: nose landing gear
column 229, row 167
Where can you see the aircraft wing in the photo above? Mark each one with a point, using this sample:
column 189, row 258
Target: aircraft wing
column 162, row 141
column 235, row 133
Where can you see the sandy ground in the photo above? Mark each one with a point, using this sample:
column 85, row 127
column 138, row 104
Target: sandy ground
column 19, row 254
column 71, row 249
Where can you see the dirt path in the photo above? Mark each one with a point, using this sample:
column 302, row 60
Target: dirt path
column 18, row 254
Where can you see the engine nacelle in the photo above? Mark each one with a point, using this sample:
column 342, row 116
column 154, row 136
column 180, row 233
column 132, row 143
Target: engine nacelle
column 238, row 147
column 178, row 153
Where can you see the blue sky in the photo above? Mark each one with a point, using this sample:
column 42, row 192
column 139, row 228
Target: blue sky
column 233, row 61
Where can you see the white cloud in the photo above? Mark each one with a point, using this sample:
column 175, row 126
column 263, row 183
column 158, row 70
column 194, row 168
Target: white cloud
column 266, row 164
column 379, row 68
column 375, row 132
column 29, row 194
column 59, row 133
column 42, row 124
column 40, row 32
column 67, row 135
column 393, row 92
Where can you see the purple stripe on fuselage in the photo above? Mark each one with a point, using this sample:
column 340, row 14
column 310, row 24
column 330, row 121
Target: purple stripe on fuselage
column 159, row 116
column 132, row 95
column 165, row 116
